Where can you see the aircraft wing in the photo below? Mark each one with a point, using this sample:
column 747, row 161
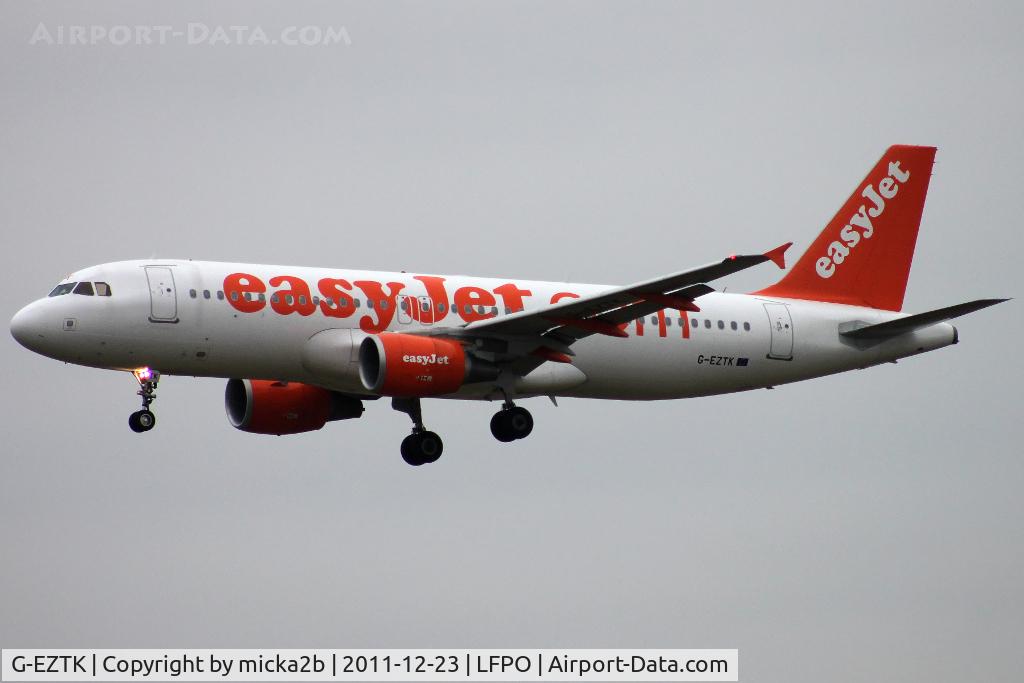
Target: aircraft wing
column 547, row 333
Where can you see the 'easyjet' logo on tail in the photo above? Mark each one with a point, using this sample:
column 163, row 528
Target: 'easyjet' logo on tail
column 860, row 224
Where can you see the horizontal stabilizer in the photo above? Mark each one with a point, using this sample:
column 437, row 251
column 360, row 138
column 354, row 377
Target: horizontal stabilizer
column 912, row 322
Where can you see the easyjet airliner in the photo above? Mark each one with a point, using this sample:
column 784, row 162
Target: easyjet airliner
column 304, row 346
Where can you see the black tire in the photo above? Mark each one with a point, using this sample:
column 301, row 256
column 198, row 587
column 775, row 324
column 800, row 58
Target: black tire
column 431, row 447
column 500, row 427
column 134, row 424
column 146, row 420
column 520, row 422
column 411, row 450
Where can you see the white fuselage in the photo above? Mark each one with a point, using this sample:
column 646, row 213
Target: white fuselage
column 209, row 319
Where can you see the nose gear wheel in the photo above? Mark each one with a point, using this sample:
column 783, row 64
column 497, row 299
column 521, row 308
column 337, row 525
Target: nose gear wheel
column 143, row 420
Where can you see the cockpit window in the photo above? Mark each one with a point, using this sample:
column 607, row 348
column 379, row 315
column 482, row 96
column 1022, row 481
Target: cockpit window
column 63, row 289
column 102, row 289
column 84, row 288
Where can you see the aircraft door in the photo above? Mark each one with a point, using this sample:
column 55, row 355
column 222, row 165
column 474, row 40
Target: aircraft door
column 405, row 310
column 163, row 300
column 417, row 308
column 782, row 331
column 426, row 312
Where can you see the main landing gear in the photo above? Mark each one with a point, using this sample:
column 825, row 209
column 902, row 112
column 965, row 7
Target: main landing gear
column 144, row 420
column 511, row 422
column 421, row 447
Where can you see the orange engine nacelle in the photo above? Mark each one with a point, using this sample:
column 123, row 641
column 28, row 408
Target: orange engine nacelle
column 267, row 407
column 395, row 364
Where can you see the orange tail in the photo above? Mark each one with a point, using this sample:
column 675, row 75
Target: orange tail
column 863, row 255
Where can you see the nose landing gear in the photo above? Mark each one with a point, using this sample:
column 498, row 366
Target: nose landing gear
column 422, row 447
column 144, row 420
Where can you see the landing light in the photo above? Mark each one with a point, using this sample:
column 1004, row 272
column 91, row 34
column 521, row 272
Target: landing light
column 143, row 374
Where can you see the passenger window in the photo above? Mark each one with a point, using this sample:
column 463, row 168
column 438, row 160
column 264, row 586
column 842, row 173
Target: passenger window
column 654, row 320
column 721, row 325
column 316, row 301
column 383, row 305
column 342, row 302
column 248, row 296
column 467, row 308
column 234, row 296
column 262, row 296
column 707, row 323
column 404, row 306
column 693, row 323
column 102, row 289
column 289, row 299
column 668, row 321
column 733, row 324
column 746, row 327
column 220, row 295
column 192, row 293
column 425, row 306
column 84, row 288
column 275, row 299
column 302, row 299
column 62, row 289
column 206, row 294
column 355, row 303
column 369, row 303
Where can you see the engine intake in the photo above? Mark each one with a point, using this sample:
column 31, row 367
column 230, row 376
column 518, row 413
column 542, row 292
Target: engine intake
column 394, row 364
column 268, row 407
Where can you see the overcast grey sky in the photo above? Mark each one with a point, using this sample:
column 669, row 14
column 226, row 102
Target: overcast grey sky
column 872, row 521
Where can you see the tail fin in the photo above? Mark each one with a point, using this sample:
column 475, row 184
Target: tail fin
column 863, row 255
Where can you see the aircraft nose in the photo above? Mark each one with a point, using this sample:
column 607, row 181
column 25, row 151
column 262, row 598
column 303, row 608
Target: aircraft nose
column 27, row 327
